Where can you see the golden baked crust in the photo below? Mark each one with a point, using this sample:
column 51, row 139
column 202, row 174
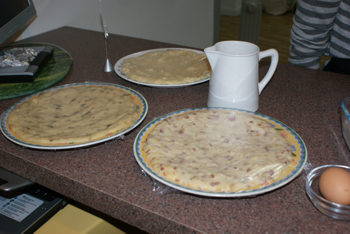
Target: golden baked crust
column 217, row 151
column 73, row 115
column 168, row 67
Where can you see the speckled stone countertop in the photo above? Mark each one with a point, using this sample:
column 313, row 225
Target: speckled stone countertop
column 106, row 177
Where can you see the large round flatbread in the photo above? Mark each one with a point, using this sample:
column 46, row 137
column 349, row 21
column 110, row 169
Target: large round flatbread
column 217, row 151
column 73, row 115
column 168, row 67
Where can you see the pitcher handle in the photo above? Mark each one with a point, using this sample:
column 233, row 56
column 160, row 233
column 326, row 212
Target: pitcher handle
column 274, row 62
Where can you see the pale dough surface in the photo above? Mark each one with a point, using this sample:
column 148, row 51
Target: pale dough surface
column 169, row 67
column 217, row 151
column 73, row 115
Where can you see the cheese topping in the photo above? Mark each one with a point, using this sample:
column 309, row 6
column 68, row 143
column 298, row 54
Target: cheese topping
column 167, row 67
column 73, row 115
column 217, row 151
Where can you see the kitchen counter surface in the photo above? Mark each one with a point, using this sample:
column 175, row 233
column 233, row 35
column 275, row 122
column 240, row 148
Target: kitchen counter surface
column 106, row 177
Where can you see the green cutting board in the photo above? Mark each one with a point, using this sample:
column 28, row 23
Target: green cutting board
column 55, row 70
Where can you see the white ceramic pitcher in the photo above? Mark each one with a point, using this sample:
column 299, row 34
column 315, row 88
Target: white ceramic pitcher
column 235, row 74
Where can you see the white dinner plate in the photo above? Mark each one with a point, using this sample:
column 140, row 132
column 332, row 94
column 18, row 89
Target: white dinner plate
column 298, row 149
column 14, row 139
column 119, row 63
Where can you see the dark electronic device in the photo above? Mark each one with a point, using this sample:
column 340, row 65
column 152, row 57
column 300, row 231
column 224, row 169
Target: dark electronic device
column 25, row 206
column 15, row 16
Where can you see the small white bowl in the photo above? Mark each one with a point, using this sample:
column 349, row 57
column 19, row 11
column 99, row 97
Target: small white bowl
column 332, row 209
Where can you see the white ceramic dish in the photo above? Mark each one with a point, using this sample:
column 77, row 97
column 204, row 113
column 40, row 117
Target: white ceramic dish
column 45, row 147
column 119, row 63
column 298, row 149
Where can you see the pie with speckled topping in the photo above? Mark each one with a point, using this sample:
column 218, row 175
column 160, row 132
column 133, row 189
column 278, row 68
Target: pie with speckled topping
column 73, row 115
column 217, row 150
column 168, row 67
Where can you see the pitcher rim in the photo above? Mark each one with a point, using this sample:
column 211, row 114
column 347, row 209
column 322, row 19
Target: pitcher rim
column 232, row 55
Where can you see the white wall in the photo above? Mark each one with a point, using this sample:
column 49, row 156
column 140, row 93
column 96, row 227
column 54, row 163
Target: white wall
column 183, row 22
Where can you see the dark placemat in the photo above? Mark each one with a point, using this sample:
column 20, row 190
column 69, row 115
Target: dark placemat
column 55, row 70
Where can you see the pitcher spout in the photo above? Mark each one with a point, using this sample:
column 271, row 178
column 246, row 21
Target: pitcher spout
column 212, row 55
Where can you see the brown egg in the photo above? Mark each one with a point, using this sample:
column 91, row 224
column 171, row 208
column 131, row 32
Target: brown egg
column 335, row 185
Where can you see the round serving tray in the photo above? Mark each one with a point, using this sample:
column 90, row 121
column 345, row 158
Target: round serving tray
column 55, row 70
